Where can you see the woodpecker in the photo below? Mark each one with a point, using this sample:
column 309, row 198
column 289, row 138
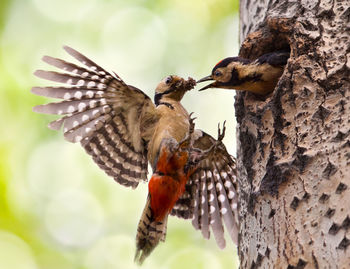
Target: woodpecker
column 259, row 76
column 194, row 177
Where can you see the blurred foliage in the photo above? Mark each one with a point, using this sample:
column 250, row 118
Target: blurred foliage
column 57, row 209
column 3, row 11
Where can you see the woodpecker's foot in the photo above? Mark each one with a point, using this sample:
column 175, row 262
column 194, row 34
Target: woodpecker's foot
column 195, row 156
column 192, row 124
column 218, row 142
column 188, row 141
column 221, row 135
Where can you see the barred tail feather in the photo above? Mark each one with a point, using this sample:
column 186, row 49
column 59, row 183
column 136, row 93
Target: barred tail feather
column 149, row 233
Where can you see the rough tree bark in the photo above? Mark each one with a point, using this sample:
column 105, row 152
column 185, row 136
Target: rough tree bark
column 294, row 144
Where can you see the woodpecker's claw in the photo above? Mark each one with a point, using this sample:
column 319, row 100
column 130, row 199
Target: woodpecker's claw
column 202, row 154
column 221, row 135
column 187, row 141
column 192, row 125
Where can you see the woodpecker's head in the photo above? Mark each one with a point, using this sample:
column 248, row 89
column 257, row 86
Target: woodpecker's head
column 258, row 76
column 228, row 73
column 173, row 87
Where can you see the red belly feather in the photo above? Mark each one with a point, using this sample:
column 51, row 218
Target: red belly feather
column 167, row 184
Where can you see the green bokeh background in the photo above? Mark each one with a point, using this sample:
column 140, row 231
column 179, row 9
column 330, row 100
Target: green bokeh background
column 57, row 209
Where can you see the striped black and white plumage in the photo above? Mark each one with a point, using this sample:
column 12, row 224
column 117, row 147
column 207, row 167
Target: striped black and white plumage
column 259, row 76
column 121, row 128
column 210, row 199
column 149, row 233
column 102, row 113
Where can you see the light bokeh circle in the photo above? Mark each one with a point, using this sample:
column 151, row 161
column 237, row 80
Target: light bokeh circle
column 114, row 252
column 74, row 218
column 135, row 37
column 15, row 253
column 53, row 167
column 193, row 257
column 64, row 10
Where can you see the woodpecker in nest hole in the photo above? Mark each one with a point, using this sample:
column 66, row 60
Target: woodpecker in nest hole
column 193, row 177
column 259, row 76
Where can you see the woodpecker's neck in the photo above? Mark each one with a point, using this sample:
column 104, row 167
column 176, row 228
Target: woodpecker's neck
column 168, row 97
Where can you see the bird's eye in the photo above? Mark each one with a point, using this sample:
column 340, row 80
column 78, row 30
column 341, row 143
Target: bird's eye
column 168, row 80
column 217, row 73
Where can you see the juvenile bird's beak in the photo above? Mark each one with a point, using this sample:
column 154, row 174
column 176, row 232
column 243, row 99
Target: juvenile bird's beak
column 207, row 78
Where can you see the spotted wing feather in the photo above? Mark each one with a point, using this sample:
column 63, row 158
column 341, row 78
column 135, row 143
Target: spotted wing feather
column 210, row 199
column 101, row 112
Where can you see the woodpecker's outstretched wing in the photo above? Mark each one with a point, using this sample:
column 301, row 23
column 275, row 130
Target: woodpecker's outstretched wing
column 111, row 120
column 210, row 197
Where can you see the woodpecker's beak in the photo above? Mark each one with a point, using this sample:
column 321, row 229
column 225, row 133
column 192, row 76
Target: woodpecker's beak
column 207, row 78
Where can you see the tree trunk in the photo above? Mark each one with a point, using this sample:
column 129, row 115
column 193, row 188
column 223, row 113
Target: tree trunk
column 294, row 144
